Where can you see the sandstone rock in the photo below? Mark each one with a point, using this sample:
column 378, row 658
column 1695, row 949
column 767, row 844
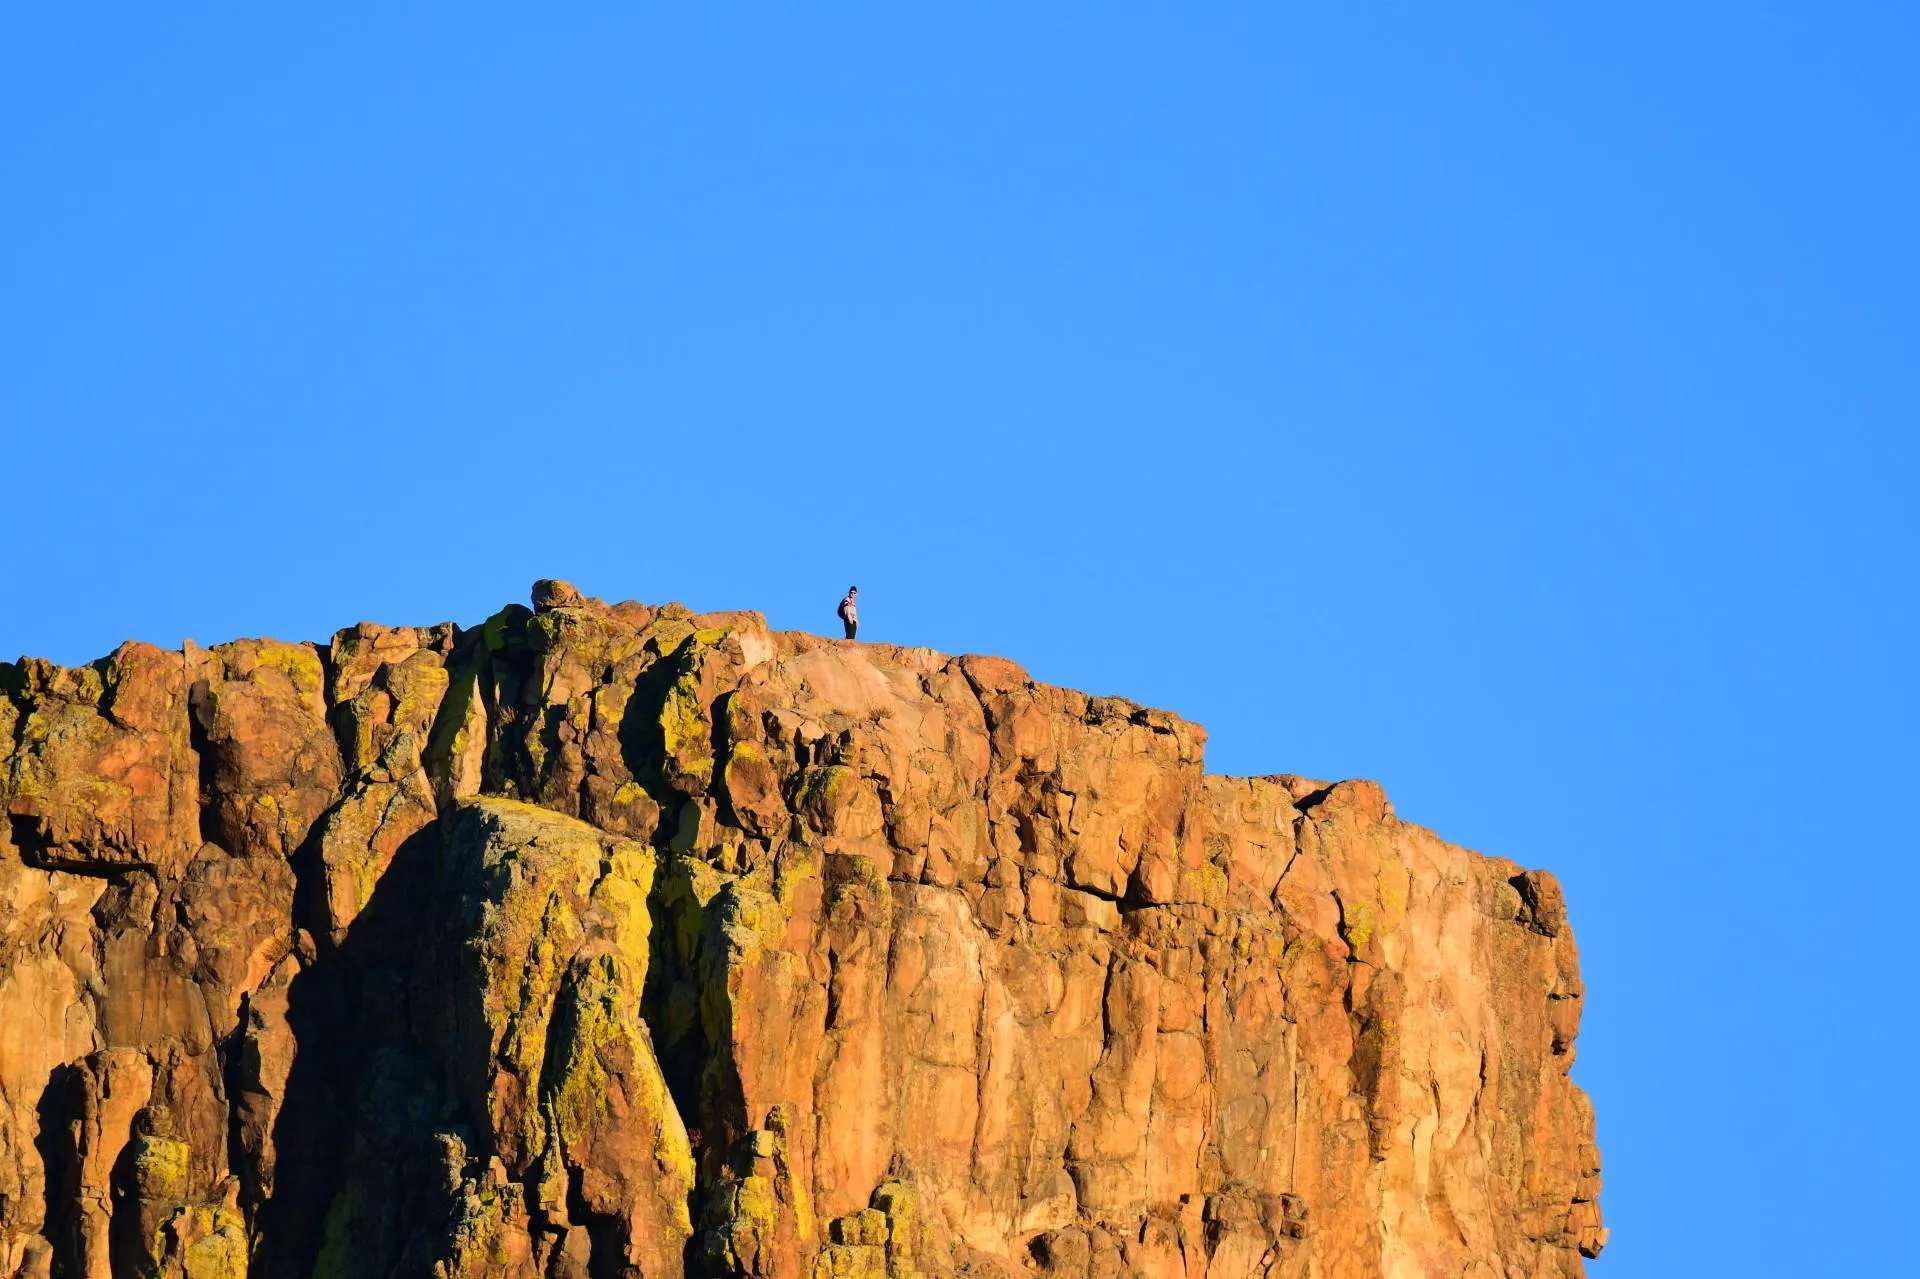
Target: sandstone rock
column 620, row 940
column 551, row 593
column 101, row 773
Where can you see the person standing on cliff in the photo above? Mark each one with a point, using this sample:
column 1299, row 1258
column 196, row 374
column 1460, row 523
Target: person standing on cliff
column 850, row 611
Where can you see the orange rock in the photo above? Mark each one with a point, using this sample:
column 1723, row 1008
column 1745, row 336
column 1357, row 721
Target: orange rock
column 627, row 941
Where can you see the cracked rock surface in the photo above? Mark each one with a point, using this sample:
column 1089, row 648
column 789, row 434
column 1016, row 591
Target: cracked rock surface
column 621, row 941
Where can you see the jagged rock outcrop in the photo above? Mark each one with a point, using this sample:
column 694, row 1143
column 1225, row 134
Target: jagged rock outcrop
column 618, row 941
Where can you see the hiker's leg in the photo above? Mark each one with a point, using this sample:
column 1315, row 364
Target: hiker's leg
column 852, row 629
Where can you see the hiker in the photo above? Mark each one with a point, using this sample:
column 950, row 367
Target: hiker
column 850, row 611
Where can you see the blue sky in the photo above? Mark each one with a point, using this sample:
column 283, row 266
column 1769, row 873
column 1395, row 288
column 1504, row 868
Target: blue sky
column 1511, row 403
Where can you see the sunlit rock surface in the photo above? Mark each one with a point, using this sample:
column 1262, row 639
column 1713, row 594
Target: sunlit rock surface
column 618, row 941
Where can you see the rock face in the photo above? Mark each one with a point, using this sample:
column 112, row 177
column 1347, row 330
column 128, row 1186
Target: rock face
column 617, row 941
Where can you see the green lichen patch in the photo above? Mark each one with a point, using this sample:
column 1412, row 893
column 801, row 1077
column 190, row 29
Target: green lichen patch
column 685, row 718
column 1356, row 923
column 161, row 1167
column 209, row 1240
column 602, row 1085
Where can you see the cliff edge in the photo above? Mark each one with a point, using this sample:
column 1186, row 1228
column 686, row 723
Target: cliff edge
column 619, row 941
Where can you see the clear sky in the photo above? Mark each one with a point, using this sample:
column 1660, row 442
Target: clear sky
column 1513, row 403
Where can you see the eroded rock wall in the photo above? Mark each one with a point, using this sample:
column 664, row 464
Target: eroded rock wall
column 617, row 941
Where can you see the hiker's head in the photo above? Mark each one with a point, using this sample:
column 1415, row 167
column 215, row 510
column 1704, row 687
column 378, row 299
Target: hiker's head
column 853, row 590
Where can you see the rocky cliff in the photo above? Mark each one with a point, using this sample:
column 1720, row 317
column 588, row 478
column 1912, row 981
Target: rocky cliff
column 618, row 941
